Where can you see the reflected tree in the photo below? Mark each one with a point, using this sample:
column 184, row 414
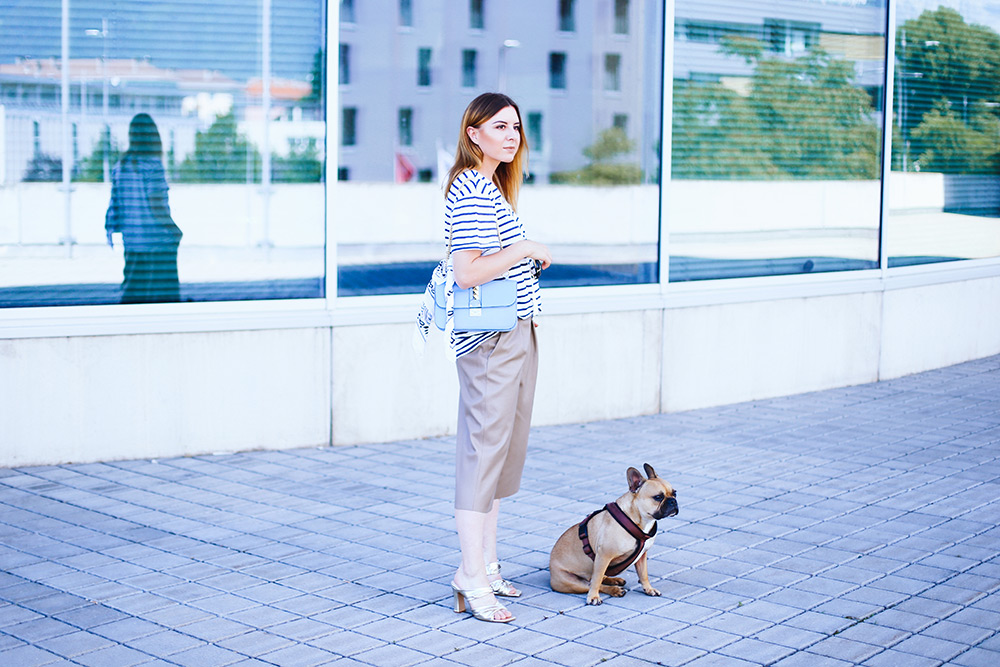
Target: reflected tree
column 221, row 155
column 301, row 165
column 948, row 89
column 801, row 118
column 607, row 165
column 91, row 168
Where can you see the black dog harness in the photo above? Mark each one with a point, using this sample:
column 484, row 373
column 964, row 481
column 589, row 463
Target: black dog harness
column 625, row 522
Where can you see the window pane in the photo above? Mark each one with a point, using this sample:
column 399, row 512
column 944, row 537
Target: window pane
column 776, row 137
column 621, row 16
column 468, row 69
column 612, row 73
column 234, row 164
column 406, row 13
column 557, row 71
column 406, row 127
column 593, row 190
column 944, row 190
column 476, row 14
column 567, row 20
column 424, row 67
column 345, row 65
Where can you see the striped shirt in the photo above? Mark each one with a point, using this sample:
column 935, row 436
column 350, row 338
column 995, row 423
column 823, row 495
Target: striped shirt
column 474, row 212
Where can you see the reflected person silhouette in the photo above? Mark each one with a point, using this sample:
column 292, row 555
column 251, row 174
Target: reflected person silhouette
column 139, row 211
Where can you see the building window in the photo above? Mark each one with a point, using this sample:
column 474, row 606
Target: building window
column 621, row 17
column 406, row 13
column 348, row 127
column 567, row 21
column 790, row 37
column 535, row 131
column 424, row 67
column 347, row 11
column 620, row 121
column 345, row 64
column 476, row 14
column 343, row 174
column 612, row 71
column 406, row 126
column 469, row 68
column 557, row 71
column 36, row 133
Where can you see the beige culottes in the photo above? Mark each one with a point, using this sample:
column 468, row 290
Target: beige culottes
column 496, row 383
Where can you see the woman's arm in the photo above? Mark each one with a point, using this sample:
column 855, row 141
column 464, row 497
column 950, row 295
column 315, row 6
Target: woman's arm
column 474, row 268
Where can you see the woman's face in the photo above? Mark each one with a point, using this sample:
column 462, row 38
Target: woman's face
column 498, row 138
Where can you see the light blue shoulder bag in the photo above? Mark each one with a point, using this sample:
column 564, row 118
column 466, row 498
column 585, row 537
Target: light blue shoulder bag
column 491, row 306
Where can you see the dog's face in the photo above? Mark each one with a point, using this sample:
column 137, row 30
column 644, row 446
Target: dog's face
column 653, row 497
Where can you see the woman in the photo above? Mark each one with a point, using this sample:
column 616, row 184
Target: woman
column 496, row 371
column 139, row 211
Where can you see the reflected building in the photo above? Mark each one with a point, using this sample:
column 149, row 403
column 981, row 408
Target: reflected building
column 575, row 68
column 849, row 29
column 104, row 96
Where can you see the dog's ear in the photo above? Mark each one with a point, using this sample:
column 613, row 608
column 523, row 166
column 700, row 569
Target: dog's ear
column 635, row 479
column 650, row 473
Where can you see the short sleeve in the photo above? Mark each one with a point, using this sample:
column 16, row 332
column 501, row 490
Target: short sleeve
column 473, row 217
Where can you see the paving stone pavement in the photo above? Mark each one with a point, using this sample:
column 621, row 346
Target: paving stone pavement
column 850, row 526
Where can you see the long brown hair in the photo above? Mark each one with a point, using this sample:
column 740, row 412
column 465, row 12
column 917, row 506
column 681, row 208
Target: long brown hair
column 508, row 175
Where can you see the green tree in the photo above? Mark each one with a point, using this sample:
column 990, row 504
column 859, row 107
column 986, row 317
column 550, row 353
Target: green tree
column 952, row 146
column 301, row 165
column 947, row 79
column 803, row 118
column 91, row 168
column 716, row 135
column 606, row 166
column 315, row 95
column 221, row 155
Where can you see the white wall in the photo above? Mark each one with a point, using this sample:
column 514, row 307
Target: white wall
column 90, row 398
column 726, row 354
column 939, row 325
column 149, row 395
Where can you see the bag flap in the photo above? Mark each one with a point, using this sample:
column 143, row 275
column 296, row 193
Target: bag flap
column 498, row 293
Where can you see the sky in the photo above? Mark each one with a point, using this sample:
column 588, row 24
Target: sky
column 983, row 12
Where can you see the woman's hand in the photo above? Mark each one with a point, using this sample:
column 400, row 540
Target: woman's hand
column 536, row 250
column 474, row 268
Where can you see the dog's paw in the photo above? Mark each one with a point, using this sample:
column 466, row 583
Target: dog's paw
column 617, row 591
column 594, row 599
column 614, row 581
column 651, row 591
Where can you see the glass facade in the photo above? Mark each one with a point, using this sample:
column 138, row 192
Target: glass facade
column 592, row 191
column 944, row 182
column 232, row 155
column 776, row 138
column 802, row 136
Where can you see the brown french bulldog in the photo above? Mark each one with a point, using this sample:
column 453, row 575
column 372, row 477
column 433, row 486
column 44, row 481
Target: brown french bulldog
column 612, row 542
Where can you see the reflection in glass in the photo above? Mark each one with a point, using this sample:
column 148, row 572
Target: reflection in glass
column 776, row 140
column 240, row 118
column 944, row 188
column 587, row 75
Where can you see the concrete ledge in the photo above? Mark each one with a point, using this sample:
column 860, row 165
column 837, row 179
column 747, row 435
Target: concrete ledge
column 349, row 375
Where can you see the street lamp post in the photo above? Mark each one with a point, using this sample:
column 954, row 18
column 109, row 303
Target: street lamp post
column 507, row 44
column 106, row 130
